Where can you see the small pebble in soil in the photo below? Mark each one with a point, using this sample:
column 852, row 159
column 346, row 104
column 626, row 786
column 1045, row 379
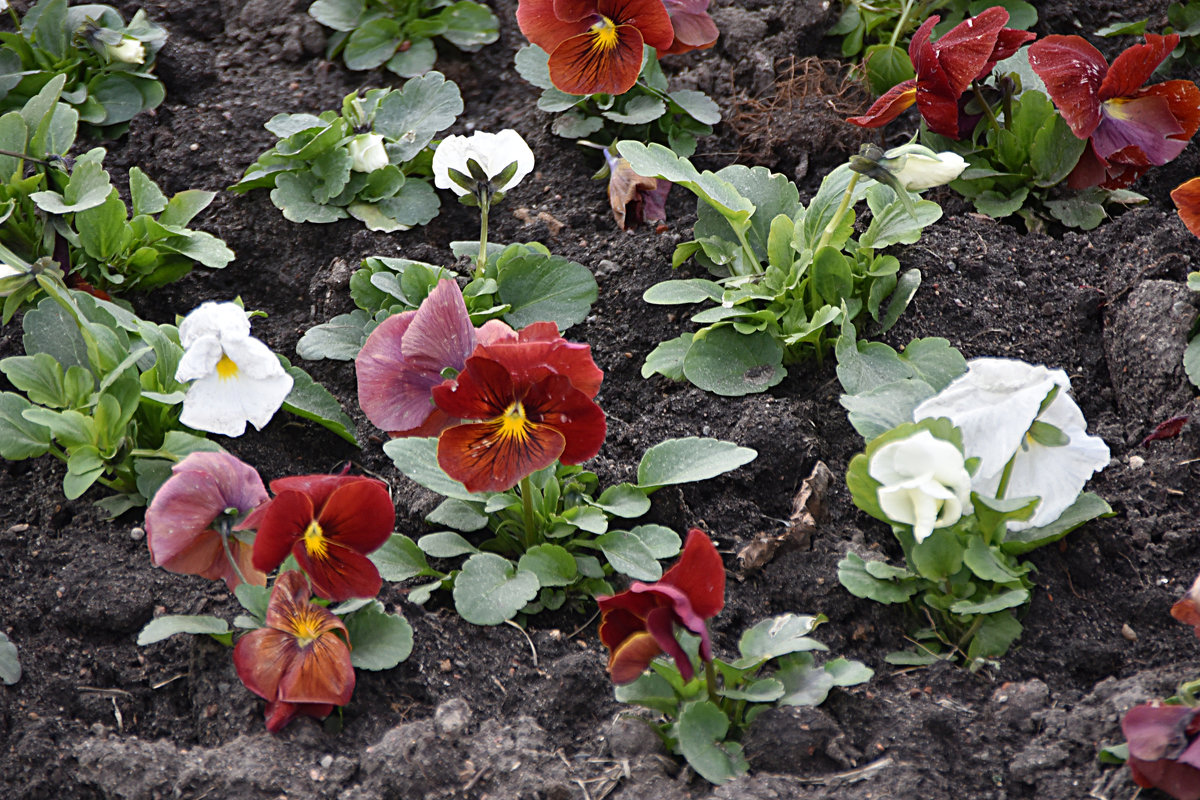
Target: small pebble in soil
column 137, row 534
column 1128, row 632
column 451, row 718
column 1136, row 462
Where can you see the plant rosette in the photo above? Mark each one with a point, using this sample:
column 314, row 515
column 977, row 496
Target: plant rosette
column 105, row 63
column 330, row 166
column 704, row 704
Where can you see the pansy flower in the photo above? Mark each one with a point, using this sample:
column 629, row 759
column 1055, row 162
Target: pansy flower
column 189, row 520
column 529, row 398
column 493, row 152
column 1187, row 201
column 945, row 70
column 694, row 28
column 1164, row 748
column 1129, row 127
column 595, row 46
column 299, row 662
column 329, row 523
column 639, row 623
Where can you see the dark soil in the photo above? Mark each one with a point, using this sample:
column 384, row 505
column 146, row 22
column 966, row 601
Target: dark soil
column 474, row 713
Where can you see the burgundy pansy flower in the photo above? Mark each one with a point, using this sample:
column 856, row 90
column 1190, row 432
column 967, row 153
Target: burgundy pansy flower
column 1164, row 750
column 945, row 70
column 639, row 623
column 329, row 523
column 595, row 46
column 1129, row 127
column 1187, row 200
column 300, row 661
column 694, row 28
column 531, row 394
column 195, row 509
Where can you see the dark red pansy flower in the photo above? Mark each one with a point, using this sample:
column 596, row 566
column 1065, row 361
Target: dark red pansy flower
column 595, row 46
column 945, row 70
column 639, row 623
column 694, row 28
column 531, row 393
column 329, row 523
column 1187, row 200
column 1164, row 751
column 1129, row 127
column 300, row 661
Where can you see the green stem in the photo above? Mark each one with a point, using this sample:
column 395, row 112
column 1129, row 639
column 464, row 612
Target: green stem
column 837, row 215
column 1005, row 477
column 987, row 108
column 527, row 507
column 710, row 682
column 481, row 260
column 901, row 23
column 1187, row 692
column 965, row 639
column 748, row 252
column 223, row 529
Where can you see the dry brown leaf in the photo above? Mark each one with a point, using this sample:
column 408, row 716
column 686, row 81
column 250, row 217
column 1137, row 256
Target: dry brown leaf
column 808, row 511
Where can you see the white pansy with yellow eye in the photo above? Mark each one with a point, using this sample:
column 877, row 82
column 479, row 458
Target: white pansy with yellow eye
column 237, row 379
column 924, row 482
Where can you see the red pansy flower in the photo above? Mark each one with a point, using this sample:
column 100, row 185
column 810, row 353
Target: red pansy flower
column 694, row 28
column 1129, row 128
column 183, row 519
column 595, row 46
column 329, row 523
column 1164, row 751
column 639, row 623
column 532, row 392
column 945, row 70
column 1187, row 200
column 300, row 661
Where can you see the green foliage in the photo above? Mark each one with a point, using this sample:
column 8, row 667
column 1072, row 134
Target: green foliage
column 97, row 55
column 1184, row 19
column 521, row 284
column 10, row 665
column 572, row 550
column 649, row 112
column 398, row 34
column 311, row 170
column 1191, row 355
column 781, row 280
column 775, row 667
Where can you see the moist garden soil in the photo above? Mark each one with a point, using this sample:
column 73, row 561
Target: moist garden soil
column 484, row 712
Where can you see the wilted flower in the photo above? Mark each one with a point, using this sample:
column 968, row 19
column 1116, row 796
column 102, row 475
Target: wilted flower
column 694, row 28
column 300, row 661
column 996, row 405
column 639, row 623
column 128, row 51
column 493, row 152
column 329, row 523
column 1187, row 608
column 634, row 198
column 1164, row 750
column 917, row 167
column 1187, row 201
column 237, row 378
column 367, row 153
column 1129, row 128
column 189, row 522
column 924, row 482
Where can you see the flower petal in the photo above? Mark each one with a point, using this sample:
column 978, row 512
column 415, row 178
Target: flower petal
column 650, row 17
column 280, row 525
column 359, row 515
column 393, row 392
column 261, row 658
column 554, row 401
column 483, row 390
column 1187, row 200
column 539, row 23
column 226, row 321
column 627, row 663
column 619, row 623
column 699, row 574
column 318, row 487
column 1142, row 122
column 1073, row 71
column 322, row 674
column 890, row 105
column 200, row 359
column 486, row 459
column 964, row 51
column 1183, row 98
column 340, row 574
column 660, row 624
column 1130, row 70
column 589, row 64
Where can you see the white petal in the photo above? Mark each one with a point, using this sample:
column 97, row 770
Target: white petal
column 223, row 320
column 224, row 405
column 200, row 359
column 1055, row 474
column 253, row 358
column 451, row 153
column 510, row 147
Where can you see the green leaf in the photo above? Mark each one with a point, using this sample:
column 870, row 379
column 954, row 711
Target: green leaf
column 532, row 64
column 416, row 60
column 19, row 437
column 697, row 105
column 341, row 15
column 312, row 401
column 690, row 459
column 778, row 636
column 804, row 683
column 293, row 195
column 39, row 376
column 1089, row 506
column 637, row 552
column 640, row 110
column 411, row 116
column 831, row 276
column 469, row 25
column 879, row 410
column 146, row 196
column 163, row 627
column 458, row 514
column 990, row 604
column 1077, row 212
column 886, row 66
column 490, row 590
column 102, row 229
column 417, row 459
column 574, row 125
column 656, row 161
column 10, row 665
column 623, row 500
column 994, row 636
column 893, row 224
column 546, row 288
column 651, row 690
column 341, row 338
column 552, row 565
column 731, row 364
column 378, row 640
column 765, row 690
column 988, row 563
column 701, row 731
column 400, row 559
column 678, row 292
column 446, row 544
column 667, row 358
column 853, row 574
column 848, row 673
column 372, row 44
column 89, row 186
column 938, row 556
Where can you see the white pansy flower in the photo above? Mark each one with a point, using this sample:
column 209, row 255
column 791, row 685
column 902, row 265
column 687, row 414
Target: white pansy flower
column 128, row 51
column 917, row 167
column 367, row 153
column 924, row 482
column 492, row 151
column 237, row 378
column 994, row 405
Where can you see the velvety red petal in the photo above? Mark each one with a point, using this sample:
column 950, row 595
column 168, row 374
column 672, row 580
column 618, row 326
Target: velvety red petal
column 1130, row 70
column 692, row 32
column 261, row 657
column 289, row 600
column 317, row 487
column 1124, row 167
column 637, row 604
column 650, row 17
column 341, row 574
column 323, row 674
column 1073, row 72
column 579, row 66
column 279, row 713
column 538, row 350
column 1008, row 42
column 1180, row 781
column 966, row 48
column 434, row 424
column 1089, row 171
column 284, row 521
column 939, row 110
column 555, row 402
column 618, row 625
column 484, row 460
column 627, row 663
column 574, row 10
column 919, row 46
column 537, row 20
column 1187, row 200
column 699, row 574
column 660, row 624
column 359, row 515
column 889, row 106
column 1183, row 98
column 483, row 390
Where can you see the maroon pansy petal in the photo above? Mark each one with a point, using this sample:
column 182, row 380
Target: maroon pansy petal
column 965, row 49
column 484, row 390
column 650, row 17
column 699, row 574
column 1180, row 781
column 939, row 110
column 618, row 625
column 575, row 10
column 1130, row 70
column 539, row 23
column 1073, row 71
column 557, row 403
column 283, row 522
column 628, row 661
column 488, row 457
column 1157, row 731
column 1008, row 42
column 340, row 573
column 441, row 334
column 317, row 487
column 359, row 515
column 632, row 600
column 261, row 657
column 890, row 105
column 323, row 674
column 279, row 713
column 1183, row 98
column 598, row 61
column 660, row 624
column 1089, row 171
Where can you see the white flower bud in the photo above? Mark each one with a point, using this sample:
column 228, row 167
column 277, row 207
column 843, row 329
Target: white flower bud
column 367, row 153
column 917, row 167
column 128, row 51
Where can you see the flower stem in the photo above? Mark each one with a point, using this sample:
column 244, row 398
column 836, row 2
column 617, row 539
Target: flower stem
column 901, row 23
column 223, row 529
column 527, row 507
column 710, row 682
column 1005, row 477
column 837, row 215
column 987, row 108
column 481, row 260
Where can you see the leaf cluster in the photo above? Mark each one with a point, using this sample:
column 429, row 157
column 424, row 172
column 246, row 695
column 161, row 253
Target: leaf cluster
column 47, row 199
column 778, row 288
column 309, row 171
column 52, row 39
column 649, row 112
column 776, row 667
column 1183, row 18
column 572, row 551
column 398, row 34
column 521, row 284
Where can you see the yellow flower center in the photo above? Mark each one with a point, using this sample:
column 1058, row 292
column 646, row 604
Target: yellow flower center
column 513, row 424
column 306, row 627
column 315, row 541
column 226, row 369
column 604, row 35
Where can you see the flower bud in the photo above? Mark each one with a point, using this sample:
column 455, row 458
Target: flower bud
column 924, row 480
column 916, row 167
column 128, row 51
column 367, row 153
